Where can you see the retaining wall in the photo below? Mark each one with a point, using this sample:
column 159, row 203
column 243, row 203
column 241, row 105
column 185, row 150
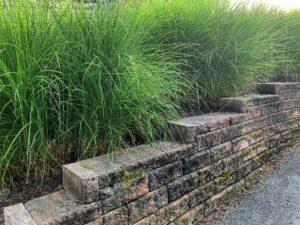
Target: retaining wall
column 174, row 183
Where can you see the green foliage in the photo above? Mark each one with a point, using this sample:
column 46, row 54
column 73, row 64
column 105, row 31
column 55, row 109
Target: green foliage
column 223, row 49
column 293, row 32
column 75, row 83
column 79, row 81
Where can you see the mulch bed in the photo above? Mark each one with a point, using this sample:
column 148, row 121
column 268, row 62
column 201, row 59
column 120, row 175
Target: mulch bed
column 22, row 193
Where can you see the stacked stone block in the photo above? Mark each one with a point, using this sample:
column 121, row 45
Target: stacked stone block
column 174, row 183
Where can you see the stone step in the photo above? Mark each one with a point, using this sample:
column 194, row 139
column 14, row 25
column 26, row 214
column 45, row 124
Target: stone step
column 234, row 110
column 188, row 128
column 284, row 90
column 17, row 215
column 274, row 88
column 241, row 104
column 58, row 208
column 89, row 179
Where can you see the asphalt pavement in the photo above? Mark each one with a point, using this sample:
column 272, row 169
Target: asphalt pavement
column 276, row 202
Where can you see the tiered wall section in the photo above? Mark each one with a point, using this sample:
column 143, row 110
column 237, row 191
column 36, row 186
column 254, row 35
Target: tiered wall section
column 174, row 183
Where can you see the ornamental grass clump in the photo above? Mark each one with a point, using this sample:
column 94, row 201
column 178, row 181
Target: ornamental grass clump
column 224, row 49
column 79, row 80
column 293, row 32
column 76, row 83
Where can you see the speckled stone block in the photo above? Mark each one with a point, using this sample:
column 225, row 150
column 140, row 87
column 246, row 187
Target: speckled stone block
column 86, row 179
column 208, row 140
column 126, row 191
column 182, row 186
column 82, row 183
column 173, row 210
column 150, row 220
column 147, row 205
column 241, row 104
column 221, row 151
column 188, row 128
column 193, row 216
column 196, row 162
column 116, row 217
column 17, row 215
column 59, row 208
column 165, row 174
column 201, row 194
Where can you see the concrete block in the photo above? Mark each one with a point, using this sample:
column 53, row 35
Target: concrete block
column 17, row 215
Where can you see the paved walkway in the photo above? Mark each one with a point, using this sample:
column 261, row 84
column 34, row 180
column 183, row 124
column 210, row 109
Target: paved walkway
column 275, row 203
